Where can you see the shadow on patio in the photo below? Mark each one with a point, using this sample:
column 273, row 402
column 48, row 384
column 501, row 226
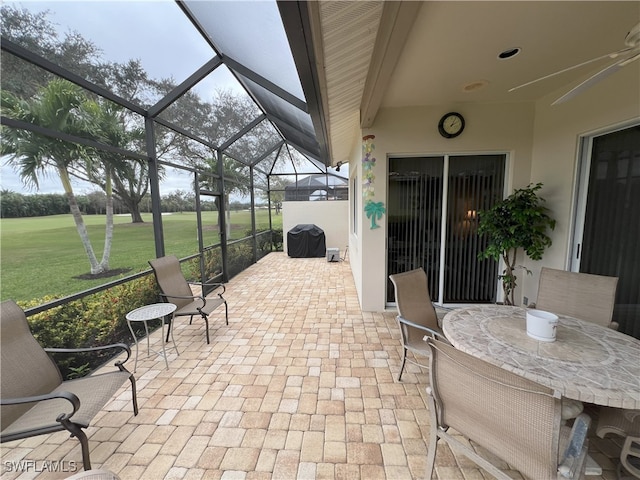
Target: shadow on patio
column 300, row 385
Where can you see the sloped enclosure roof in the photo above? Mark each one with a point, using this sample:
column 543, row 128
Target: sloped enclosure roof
column 242, row 42
column 250, row 40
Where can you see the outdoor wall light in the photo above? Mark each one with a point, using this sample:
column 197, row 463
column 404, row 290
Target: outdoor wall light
column 338, row 165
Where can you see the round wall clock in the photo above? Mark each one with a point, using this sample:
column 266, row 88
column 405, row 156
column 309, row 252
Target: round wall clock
column 451, row 125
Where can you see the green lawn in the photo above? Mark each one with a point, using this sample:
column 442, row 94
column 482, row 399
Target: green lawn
column 41, row 255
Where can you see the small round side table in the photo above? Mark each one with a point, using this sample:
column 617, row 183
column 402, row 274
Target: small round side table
column 151, row 312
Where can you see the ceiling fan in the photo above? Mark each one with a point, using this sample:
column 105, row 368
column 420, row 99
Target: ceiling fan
column 630, row 53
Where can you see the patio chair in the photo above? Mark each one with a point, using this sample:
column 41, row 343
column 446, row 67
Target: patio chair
column 34, row 398
column 511, row 417
column 581, row 295
column 625, row 424
column 175, row 289
column 416, row 315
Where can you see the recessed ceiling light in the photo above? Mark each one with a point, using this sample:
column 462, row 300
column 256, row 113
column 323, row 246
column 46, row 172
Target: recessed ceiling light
column 474, row 86
column 512, row 52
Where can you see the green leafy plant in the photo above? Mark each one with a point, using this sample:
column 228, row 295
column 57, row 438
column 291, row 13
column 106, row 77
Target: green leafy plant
column 78, row 372
column 97, row 319
column 520, row 221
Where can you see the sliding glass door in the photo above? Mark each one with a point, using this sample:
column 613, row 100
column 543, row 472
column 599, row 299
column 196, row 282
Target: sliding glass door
column 432, row 215
column 607, row 220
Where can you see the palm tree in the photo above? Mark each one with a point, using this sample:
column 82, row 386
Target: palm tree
column 58, row 106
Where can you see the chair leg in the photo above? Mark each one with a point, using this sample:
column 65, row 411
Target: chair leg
column 404, row 360
column 433, row 440
column 630, row 456
column 226, row 312
column 77, row 432
column 168, row 320
column 134, row 394
column 206, row 326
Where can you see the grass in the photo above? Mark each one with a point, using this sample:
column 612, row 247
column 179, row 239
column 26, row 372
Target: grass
column 43, row 255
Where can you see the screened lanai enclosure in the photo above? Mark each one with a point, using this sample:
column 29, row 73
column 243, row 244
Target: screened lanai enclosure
column 181, row 122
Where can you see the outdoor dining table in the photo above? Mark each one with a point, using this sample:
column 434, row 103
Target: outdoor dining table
column 587, row 362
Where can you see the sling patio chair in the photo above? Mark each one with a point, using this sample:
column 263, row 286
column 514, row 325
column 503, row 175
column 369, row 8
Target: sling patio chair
column 509, row 416
column 416, row 315
column 581, row 295
column 35, row 400
column 175, row 289
column 626, row 424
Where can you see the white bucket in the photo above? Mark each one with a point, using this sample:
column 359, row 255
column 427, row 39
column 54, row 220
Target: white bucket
column 542, row 325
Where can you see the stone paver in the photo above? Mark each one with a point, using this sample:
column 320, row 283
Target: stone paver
column 300, row 385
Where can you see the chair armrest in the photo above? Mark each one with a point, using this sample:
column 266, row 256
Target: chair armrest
column 430, row 331
column 574, row 456
column 186, row 297
column 442, row 307
column 216, row 285
column 192, row 297
column 70, row 397
column 120, row 346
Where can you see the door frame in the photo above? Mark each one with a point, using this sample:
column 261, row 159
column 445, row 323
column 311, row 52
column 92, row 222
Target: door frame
column 437, row 297
column 581, row 190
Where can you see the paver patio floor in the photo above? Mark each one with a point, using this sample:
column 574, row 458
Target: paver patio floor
column 300, row 385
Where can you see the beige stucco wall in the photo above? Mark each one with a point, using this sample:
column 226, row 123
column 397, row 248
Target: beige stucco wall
column 610, row 105
column 331, row 216
column 542, row 146
column 412, row 131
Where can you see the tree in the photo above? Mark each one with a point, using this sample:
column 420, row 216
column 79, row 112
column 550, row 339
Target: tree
column 97, row 201
column 520, row 221
column 276, row 191
column 234, row 171
column 59, row 107
column 129, row 80
column 36, row 33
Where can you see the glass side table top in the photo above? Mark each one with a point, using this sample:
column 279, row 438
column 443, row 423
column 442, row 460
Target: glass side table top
column 152, row 312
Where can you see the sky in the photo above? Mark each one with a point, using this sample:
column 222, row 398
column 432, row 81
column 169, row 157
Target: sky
column 50, row 183
column 156, row 32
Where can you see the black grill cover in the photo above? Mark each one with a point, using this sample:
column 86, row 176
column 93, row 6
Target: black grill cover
column 306, row 241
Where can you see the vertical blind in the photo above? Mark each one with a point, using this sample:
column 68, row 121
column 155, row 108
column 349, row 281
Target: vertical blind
column 475, row 184
column 414, row 218
column 415, row 210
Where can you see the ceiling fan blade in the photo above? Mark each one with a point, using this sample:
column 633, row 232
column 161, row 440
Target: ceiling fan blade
column 596, row 78
column 608, row 55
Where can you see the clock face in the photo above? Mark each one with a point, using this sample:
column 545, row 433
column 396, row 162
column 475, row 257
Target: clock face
column 451, row 125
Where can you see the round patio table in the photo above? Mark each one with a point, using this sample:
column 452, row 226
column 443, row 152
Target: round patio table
column 145, row 314
column 587, row 362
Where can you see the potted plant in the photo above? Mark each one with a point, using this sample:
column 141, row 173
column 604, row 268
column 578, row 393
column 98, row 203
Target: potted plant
column 520, row 221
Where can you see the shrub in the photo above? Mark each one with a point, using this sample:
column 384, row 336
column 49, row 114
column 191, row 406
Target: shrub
column 98, row 319
column 240, row 256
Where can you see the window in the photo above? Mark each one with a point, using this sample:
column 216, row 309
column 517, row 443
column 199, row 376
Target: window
column 354, row 205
